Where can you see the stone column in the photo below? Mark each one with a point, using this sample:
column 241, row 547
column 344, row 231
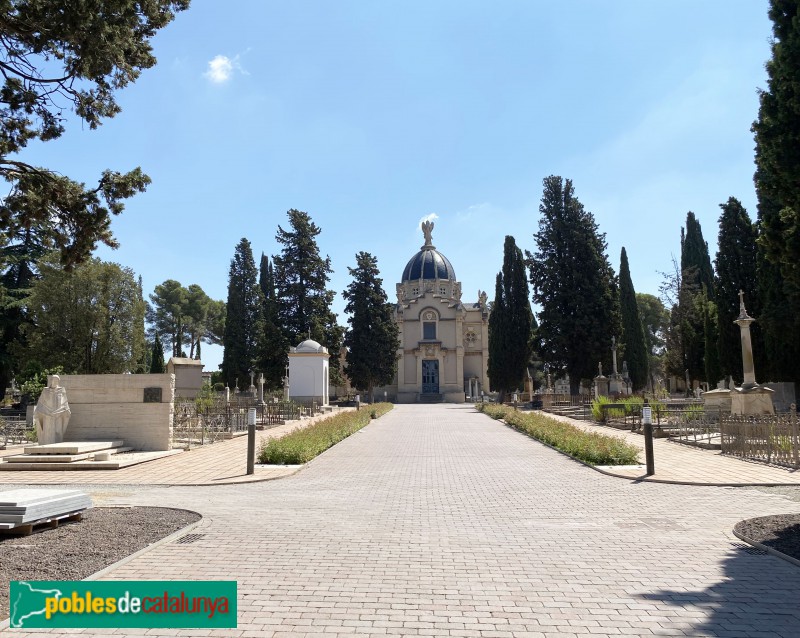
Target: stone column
column 744, row 321
column 261, row 389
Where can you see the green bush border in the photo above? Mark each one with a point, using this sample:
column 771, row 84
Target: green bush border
column 589, row 447
column 303, row 445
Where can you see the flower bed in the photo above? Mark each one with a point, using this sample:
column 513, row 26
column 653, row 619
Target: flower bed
column 589, row 447
column 303, row 445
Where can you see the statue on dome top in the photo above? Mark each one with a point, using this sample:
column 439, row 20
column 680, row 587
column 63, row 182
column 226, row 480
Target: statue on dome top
column 427, row 230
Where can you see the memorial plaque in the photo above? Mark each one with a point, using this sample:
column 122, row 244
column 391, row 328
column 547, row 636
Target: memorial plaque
column 152, row 395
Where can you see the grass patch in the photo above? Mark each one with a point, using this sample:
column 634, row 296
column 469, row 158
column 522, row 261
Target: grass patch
column 589, row 447
column 303, row 445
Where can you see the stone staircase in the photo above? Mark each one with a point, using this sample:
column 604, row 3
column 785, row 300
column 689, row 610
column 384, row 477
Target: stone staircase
column 430, row 397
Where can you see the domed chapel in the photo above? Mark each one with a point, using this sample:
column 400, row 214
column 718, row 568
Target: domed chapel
column 444, row 342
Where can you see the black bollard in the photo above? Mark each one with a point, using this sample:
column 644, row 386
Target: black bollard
column 647, row 421
column 251, row 441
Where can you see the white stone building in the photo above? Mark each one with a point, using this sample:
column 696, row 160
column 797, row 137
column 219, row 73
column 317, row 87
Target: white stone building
column 444, row 342
column 309, row 374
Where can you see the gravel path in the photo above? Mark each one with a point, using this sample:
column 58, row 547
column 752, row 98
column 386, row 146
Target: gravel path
column 76, row 550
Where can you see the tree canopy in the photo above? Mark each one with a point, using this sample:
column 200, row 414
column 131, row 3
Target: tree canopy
column 273, row 347
column 244, row 317
column 301, row 279
column 777, row 181
column 573, row 283
column 88, row 320
column 736, row 267
column 372, row 340
column 511, row 323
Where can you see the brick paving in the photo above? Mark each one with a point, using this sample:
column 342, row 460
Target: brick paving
column 215, row 464
column 438, row 521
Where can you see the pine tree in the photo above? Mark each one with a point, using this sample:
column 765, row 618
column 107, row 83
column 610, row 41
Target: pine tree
column 697, row 283
column 273, row 347
column 510, row 323
column 574, row 284
column 301, row 276
column 243, row 321
column 632, row 331
column 372, row 340
column 736, row 267
column 157, row 358
column 777, row 181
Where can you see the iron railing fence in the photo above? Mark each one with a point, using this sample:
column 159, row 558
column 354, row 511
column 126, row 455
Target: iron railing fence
column 219, row 421
column 15, row 430
column 769, row 438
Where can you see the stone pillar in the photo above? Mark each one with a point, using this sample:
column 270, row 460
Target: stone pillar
column 261, row 389
column 744, row 321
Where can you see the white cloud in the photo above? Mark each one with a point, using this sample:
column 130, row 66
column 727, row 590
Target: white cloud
column 221, row 68
column 430, row 217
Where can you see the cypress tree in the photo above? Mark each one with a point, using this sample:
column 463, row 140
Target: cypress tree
column 273, row 347
column 574, row 284
column 372, row 340
column 510, row 323
column 736, row 268
column 301, row 278
column 243, row 321
column 777, row 181
column 710, row 337
column 696, row 283
column 632, row 331
column 157, row 358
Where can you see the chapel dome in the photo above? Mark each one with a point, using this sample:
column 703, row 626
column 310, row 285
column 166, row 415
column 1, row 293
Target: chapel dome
column 428, row 263
column 309, row 345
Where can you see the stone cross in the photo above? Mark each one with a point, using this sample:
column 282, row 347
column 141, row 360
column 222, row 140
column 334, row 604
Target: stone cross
column 252, row 374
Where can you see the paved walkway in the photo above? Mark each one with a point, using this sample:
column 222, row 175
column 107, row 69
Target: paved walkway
column 438, row 521
column 215, row 464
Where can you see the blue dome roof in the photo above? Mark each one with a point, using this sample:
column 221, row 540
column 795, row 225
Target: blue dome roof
column 429, row 263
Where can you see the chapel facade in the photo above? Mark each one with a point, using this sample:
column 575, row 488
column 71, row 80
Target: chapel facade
column 444, row 342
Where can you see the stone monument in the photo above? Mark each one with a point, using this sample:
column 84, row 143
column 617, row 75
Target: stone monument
column 751, row 398
column 615, row 382
column 51, row 414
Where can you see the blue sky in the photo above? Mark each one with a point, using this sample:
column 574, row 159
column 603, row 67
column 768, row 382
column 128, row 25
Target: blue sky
column 373, row 115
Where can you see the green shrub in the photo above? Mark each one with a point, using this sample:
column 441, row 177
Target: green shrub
column 303, row 445
column 590, row 447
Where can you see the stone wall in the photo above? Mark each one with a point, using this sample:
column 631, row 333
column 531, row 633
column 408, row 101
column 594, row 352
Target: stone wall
column 134, row 408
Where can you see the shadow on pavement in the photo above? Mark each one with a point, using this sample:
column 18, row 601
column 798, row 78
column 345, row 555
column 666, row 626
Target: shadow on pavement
column 757, row 596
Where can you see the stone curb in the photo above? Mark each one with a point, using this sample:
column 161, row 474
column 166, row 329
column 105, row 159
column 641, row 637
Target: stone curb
column 4, row 624
column 766, row 548
column 644, row 479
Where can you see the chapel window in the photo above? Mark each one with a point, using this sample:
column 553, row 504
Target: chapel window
column 429, row 330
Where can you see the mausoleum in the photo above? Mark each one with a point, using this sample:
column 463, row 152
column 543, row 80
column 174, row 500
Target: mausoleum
column 444, row 342
column 309, row 372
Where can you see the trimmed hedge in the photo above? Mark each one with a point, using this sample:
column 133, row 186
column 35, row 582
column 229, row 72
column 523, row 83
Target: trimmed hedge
column 589, row 447
column 303, row 445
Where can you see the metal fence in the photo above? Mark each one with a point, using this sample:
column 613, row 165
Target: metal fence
column 551, row 401
column 15, row 431
column 220, row 421
column 768, row 438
